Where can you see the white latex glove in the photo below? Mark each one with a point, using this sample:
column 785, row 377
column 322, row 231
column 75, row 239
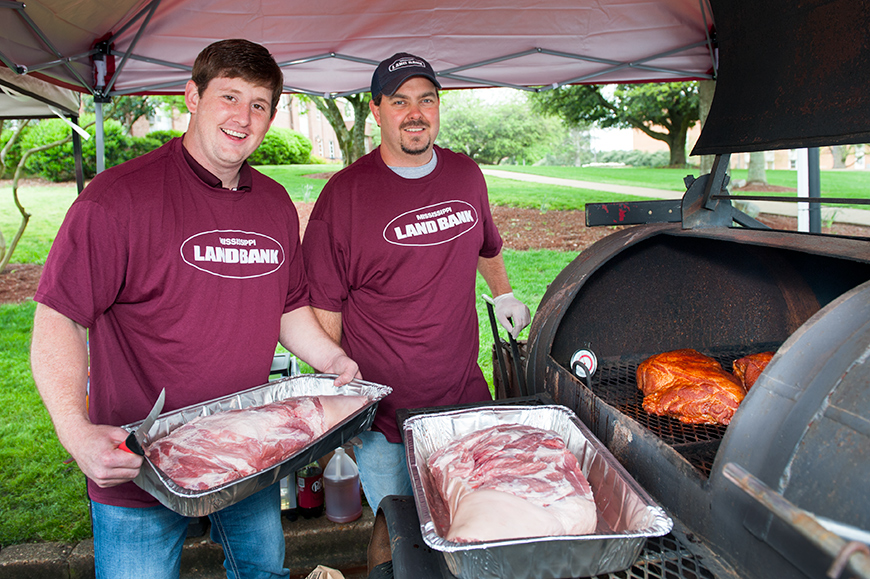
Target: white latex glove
column 512, row 313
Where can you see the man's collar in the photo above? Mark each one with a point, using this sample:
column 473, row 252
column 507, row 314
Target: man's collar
column 245, row 176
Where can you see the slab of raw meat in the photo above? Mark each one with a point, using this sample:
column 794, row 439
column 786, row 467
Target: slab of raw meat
column 213, row 450
column 512, row 481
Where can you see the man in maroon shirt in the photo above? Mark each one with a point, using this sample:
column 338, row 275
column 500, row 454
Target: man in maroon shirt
column 181, row 270
column 392, row 250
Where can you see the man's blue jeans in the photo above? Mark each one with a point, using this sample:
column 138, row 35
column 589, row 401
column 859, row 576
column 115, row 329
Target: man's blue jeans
column 146, row 543
column 383, row 469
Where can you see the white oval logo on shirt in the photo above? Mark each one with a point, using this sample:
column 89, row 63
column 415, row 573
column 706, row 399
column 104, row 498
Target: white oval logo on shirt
column 233, row 254
column 432, row 225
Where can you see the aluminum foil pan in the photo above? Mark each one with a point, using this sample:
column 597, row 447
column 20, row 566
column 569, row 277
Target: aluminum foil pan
column 193, row 503
column 627, row 515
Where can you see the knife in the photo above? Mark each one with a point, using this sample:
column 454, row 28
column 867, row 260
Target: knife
column 136, row 439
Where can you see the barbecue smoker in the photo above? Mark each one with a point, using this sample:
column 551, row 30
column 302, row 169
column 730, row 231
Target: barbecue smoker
column 701, row 274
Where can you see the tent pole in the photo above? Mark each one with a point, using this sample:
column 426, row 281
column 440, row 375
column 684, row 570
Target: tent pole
column 77, row 153
column 100, row 144
column 815, row 189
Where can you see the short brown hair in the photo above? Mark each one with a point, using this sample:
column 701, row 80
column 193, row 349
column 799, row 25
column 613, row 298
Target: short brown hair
column 239, row 58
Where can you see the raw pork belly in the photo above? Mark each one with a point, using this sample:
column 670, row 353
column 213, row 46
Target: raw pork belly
column 210, row 451
column 512, row 481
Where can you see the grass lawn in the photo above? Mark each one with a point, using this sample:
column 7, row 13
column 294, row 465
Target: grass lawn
column 47, row 205
column 41, row 498
column 848, row 184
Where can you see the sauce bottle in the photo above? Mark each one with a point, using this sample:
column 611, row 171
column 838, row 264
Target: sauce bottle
column 309, row 481
column 341, row 488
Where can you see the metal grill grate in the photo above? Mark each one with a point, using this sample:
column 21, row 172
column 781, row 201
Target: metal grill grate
column 664, row 558
column 615, row 383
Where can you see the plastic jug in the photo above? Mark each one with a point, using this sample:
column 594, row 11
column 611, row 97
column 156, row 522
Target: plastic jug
column 341, row 488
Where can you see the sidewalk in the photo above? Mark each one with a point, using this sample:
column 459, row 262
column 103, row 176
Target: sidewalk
column 309, row 543
column 840, row 214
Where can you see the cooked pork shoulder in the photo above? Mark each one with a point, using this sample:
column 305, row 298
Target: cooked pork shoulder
column 748, row 368
column 689, row 386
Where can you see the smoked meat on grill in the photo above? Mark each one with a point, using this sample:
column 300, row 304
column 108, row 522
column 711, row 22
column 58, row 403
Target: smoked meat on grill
column 748, row 368
column 512, row 481
column 210, row 451
column 689, row 386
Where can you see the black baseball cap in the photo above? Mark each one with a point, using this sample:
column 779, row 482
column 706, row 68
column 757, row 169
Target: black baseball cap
column 392, row 72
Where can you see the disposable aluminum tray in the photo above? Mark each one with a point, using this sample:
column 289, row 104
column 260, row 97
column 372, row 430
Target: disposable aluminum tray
column 627, row 515
column 192, row 503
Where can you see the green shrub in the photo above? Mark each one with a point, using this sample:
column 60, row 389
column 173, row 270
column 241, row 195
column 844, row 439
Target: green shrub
column 282, row 147
column 57, row 164
column 164, row 136
column 635, row 158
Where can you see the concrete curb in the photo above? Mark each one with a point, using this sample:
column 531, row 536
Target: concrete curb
column 309, row 543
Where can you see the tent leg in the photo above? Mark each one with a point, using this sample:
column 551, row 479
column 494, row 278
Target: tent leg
column 100, row 140
column 77, row 153
column 815, row 190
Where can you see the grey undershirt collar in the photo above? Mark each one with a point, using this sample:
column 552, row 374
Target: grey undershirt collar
column 417, row 172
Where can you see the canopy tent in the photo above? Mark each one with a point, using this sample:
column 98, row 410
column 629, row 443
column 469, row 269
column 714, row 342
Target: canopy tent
column 330, row 48
column 27, row 97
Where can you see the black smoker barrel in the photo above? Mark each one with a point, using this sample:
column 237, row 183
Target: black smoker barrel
column 804, row 428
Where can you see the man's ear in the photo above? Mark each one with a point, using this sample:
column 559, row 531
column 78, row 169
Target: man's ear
column 191, row 96
column 376, row 112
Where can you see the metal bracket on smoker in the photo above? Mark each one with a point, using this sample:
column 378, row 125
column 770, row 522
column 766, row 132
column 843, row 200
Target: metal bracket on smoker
column 698, row 208
column 701, row 210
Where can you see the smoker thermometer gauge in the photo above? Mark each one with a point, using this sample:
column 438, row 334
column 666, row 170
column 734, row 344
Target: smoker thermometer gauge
column 586, row 358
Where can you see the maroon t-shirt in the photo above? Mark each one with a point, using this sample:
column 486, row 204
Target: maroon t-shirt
column 181, row 285
column 398, row 258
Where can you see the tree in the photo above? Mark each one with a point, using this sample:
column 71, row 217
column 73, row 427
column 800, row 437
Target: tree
column 673, row 107
column 10, row 142
column 6, row 252
column 495, row 132
column 127, row 109
column 351, row 138
column 756, row 171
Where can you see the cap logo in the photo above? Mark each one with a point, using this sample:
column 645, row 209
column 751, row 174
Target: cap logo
column 403, row 62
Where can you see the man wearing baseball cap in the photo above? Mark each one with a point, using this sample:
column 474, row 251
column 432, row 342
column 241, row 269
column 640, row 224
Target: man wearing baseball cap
column 391, row 249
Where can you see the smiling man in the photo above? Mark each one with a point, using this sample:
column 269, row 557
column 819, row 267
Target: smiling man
column 182, row 270
column 392, row 249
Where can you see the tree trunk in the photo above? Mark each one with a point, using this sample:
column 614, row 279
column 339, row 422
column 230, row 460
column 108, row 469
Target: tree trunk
column 678, row 148
column 706, row 88
column 756, row 173
column 840, row 153
column 351, row 140
column 6, row 255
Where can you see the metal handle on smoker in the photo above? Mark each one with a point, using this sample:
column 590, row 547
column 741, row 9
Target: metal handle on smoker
column 854, row 555
column 515, row 352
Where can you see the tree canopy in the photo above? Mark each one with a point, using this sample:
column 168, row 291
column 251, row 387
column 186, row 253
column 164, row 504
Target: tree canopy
column 506, row 130
column 664, row 111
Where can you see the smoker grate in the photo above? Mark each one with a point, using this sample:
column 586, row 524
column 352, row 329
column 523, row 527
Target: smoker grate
column 664, row 558
column 615, row 384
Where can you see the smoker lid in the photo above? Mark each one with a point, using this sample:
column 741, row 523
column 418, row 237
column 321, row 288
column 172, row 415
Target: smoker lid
column 792, row 74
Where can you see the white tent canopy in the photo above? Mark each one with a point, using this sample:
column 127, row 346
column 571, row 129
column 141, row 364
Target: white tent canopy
column 26, row 97
column 331, row 47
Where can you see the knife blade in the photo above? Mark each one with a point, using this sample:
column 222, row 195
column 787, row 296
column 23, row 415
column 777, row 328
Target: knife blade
column 136, row 439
